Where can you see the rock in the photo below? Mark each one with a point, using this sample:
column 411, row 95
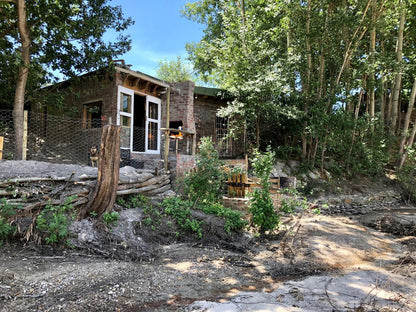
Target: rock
column 279, row 170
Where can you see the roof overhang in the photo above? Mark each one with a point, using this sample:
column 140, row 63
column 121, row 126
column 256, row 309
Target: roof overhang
column 141, row 76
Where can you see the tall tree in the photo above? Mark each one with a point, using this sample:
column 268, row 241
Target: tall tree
column 64, row 36
column 174, row 71
column 300, row 63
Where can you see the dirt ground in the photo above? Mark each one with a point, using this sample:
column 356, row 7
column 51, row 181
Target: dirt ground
column 173, row 276
column 135, row 268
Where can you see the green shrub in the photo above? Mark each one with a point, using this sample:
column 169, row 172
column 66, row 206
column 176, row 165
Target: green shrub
column 206, row 182
column 6, row 211
column 181, row 210
column 110, row 218
column 263, row 214
column 133, row 201
column 153, row 216
column 54, row 221
column 233, row 219
column 406, row 176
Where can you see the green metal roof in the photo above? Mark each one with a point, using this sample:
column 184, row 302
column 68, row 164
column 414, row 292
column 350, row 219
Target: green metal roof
column 208, row 91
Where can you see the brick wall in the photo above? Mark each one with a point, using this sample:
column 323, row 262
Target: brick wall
column 184, row 163
column 205, row 114
column 182, row 104
column 205, row 110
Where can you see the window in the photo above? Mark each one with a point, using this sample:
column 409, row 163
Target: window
column 125, row 114
column 153, row 126
column 139, row 115
column 91, row 117
column 222, row 138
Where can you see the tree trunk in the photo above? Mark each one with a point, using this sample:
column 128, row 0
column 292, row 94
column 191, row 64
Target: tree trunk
column 383, row 99
column 407, row 123
column 372, row 78
column 409, row 144
column 308, row 82
column 103, row 197
column 19, row 97
column 398, row 78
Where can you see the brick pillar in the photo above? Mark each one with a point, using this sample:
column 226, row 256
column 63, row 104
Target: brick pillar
column 182, row 104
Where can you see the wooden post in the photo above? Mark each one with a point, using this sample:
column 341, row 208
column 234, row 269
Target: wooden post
column 166, row 159
column 24, row 145
column 1, row 147
column 103, row 197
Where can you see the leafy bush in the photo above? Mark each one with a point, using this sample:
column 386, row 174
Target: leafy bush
column 6, row 211
column 153, row 216
column 263, row 214
column 233, row 219
column 206, row 182
column 133, row 201
column 110, row 218
column 407, row 176
column 181, row 210
column 54, row 221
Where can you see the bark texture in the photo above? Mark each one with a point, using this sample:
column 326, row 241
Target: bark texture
column 103, row 196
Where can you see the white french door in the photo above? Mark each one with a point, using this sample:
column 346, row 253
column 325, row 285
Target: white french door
column 149, row 121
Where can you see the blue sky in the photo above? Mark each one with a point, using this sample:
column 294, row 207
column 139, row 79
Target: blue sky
column 159, row 33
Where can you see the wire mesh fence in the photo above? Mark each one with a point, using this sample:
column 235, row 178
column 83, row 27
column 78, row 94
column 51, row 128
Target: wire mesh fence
column 7, row 132
column 51, row 138
column 60, row 139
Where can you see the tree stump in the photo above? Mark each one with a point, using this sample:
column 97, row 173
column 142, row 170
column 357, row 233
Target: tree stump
column 103, row 196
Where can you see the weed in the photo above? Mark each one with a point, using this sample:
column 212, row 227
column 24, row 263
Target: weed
column 233, row 218
column 6, row 211
column 154, row 217
column 181, row 211
column 54, row 221
column 133, row 201
column 110, row 218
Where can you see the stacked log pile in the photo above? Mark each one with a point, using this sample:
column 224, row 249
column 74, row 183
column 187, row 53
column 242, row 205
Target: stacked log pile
column 38, row 184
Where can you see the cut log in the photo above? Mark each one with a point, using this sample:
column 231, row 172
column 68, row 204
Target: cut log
column 144, row 189
column 103, row 197
column 151, row 181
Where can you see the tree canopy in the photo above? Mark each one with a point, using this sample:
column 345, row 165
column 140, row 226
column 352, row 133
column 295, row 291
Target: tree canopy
column 42, row 37
column 174, row 71
column 323, row 80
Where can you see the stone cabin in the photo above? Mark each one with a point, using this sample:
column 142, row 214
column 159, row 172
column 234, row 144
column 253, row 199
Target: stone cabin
column 149, row 110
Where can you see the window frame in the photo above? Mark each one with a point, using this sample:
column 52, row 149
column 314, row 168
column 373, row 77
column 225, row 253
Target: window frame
column 149, row 99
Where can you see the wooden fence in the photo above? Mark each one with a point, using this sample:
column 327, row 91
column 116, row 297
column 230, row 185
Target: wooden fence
column 239, row 185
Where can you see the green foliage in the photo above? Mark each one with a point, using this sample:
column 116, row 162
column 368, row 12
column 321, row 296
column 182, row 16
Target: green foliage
column 133, row 201
column 205, row 183
column 407, row 176
column 301, row 79
column 181, row 210
column 69, row 41
column 6, row 211
column 234, row 221
column 263, row 214
column 110, row 218
column 174, row 71
column 153, row 216
column 291, row 202
column 54, row 221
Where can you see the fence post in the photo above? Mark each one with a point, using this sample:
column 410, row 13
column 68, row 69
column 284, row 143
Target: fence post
column 24, row 145
column 1, row 147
